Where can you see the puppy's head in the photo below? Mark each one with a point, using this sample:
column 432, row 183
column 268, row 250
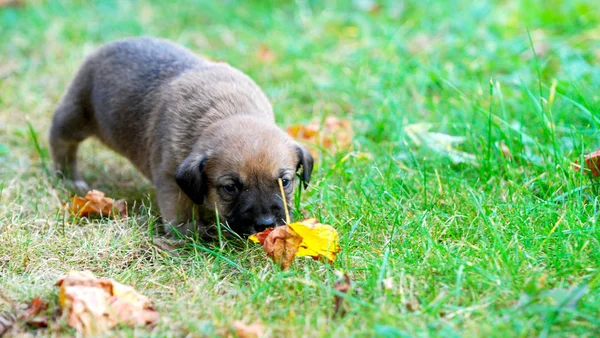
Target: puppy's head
column 235, row 167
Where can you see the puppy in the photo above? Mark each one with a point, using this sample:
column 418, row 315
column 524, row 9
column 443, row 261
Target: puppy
column 203, row 132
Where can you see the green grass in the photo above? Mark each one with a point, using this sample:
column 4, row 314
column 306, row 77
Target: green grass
column 486, row 248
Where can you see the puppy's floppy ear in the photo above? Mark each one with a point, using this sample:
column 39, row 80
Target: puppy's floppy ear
column 305, row 160
column 191, row 178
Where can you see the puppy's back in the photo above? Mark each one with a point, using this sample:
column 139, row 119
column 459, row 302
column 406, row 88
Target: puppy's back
column 126, row 77
column 118, row 87
column 145, row 96
column 141, row 64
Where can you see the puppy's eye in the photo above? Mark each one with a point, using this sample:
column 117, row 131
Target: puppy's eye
column 285, row 182
column 230, row 188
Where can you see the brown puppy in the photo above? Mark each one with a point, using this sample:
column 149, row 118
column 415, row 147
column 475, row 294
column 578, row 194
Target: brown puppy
column 202, row 132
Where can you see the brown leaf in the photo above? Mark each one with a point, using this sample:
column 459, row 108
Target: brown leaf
column 422, row 42
column 260, row 237
column 592, row 164
column 94, row 305
column 281, row 245
column 541, row 44
column 34, row 308
column 541, row 280
column 95, row 204
column 505, row 150
column 315, row 240
column 38, row 322
column 11, row 3
column 253, row 330
column 29, row 315
column 375, row 9
column 343, row 287
column 370, row 6
column 334, row 134
column 265, row 54
column 412, row 305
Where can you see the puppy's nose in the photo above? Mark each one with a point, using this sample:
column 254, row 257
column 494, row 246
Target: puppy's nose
column 264, row 222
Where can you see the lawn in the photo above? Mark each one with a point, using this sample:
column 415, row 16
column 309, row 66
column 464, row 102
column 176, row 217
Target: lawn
column 486, row 233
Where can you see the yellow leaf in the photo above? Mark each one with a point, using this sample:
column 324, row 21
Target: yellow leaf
column 281, row 244
column 318, row 240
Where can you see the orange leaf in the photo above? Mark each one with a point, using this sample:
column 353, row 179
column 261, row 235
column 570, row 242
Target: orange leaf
column 94, row 305
column 253, row 330
column 95, row 204
column 281, row 245
column 260, row 237
column 304, row 238
column 592, row 163
column 30, row 315
column 334, row 134
column 265, row 54
column 11, row 3
column 36, row 306
column 343, row 287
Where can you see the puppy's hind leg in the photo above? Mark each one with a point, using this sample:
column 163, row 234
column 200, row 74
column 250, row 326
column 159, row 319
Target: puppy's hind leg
column 70, row 126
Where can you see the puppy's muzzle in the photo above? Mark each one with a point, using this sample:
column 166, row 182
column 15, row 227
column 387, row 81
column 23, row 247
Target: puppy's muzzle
column 263, row 222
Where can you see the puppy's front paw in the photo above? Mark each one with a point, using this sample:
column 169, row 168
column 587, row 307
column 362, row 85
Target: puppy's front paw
column 191, row 229
column 182, row 230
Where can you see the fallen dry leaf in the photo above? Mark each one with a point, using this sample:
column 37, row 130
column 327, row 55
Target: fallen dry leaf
column 592, row 164
column 412, row 305
column 370, row 6
column 95, row 204
column 265, row 54
column 93, row 305
column 422, row 42
column 29, row 316
column 388, row 283
column 260, row 237
column 443, row 144
column 11, row 3
column 281, row 245
column 334, row 135
column 541, row 44
column 304, row 238
column 505, row 150
column 34, row 308
column 318, row 240
column 343, row 287
column 253, row 330
column 38, row 322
